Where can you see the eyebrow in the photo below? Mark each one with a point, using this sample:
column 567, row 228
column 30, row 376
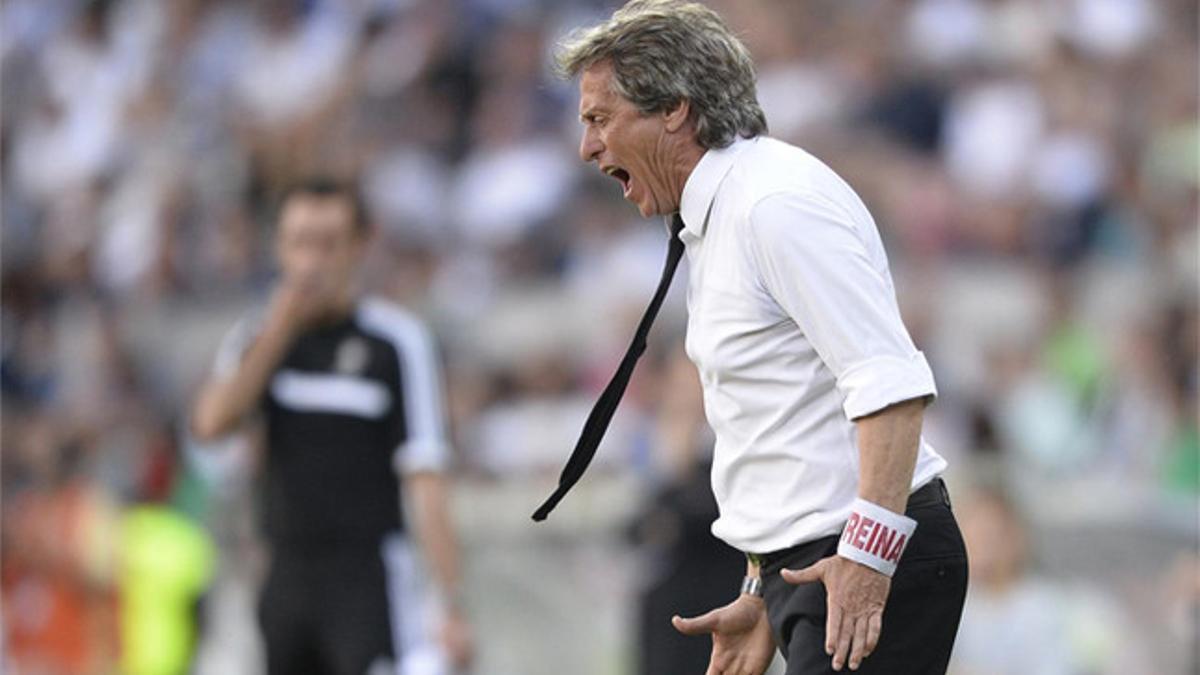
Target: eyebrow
column 591, row 113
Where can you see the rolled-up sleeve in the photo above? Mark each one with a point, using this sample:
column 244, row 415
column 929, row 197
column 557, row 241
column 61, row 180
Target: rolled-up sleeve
column 827, row 271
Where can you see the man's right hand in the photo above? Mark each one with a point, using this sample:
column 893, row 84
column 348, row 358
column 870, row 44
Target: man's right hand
column 742, row 643
column 223, row 403
column 296, row 303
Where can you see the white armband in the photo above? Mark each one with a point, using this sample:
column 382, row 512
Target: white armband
column 875, row 536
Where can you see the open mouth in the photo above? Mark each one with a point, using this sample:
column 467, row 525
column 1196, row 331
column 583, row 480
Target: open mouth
column 621, row 175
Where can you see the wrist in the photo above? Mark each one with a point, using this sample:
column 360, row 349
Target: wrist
column 753, row 565
column 892, row 500
column 751, row 592
column 875, row 536
column 752, row 586
column 280, row 328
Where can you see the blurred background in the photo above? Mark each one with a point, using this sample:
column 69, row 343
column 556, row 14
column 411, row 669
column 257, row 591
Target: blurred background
column 1032, row 165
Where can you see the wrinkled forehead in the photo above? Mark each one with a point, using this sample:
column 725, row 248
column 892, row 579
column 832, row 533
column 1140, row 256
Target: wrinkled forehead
column 595, row 88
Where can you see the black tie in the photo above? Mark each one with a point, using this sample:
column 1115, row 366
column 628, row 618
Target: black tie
column 602, row 412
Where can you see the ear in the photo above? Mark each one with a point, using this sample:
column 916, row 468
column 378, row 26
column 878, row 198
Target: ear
column 675, row 118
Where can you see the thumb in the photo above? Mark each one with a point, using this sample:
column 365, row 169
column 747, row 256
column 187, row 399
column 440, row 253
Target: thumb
column 700, row 625
column 814, row 572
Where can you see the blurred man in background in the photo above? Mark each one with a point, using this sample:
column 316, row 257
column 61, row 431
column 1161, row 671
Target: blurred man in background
column 167, row 562
column 60, row 603
column 349, row 395
column 1016, row 624
column 1018, row 621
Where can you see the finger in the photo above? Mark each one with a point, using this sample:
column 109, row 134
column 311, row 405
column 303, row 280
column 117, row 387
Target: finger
column 843, row 642
column 858, row 646
column 748, row 667
column 700, row 625
column 833, row 627
column 874, row 628
column 814, row 572
column 717, row 664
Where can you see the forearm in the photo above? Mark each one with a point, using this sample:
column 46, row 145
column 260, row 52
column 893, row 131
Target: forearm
column 223, row 403
column 435, row 531
column 887, row 442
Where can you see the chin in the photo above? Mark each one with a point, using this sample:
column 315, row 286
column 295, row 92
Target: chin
column 648, row 210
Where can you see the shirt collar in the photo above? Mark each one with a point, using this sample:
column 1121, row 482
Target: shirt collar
column 701, row 186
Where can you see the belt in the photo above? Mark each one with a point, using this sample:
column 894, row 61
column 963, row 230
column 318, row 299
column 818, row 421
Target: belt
column 933, row 493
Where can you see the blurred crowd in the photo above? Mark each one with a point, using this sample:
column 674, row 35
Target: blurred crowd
column 1033, row 165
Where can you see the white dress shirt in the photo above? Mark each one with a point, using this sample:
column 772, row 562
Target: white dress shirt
column 794, row 327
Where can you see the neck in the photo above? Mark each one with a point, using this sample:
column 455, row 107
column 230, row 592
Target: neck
column 684, row 166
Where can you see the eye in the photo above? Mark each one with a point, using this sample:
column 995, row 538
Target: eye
column 594, row 120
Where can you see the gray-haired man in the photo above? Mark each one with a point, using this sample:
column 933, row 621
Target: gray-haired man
column 811, row 382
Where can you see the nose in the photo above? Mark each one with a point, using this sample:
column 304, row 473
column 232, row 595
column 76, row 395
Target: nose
column 590, row 145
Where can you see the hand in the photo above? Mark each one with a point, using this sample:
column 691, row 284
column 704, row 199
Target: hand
column 296, row 303
column 742, row 643
column 856, row 595
column 456, row 639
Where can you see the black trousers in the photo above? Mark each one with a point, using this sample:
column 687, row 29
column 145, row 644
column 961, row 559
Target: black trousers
column 326, row 613
column 923, row 609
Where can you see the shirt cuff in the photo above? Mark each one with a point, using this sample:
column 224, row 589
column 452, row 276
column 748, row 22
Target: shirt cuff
column 421, row 455
column 872, row 385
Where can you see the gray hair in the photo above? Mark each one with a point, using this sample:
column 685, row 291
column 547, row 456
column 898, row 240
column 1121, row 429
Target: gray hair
column 666, row 51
